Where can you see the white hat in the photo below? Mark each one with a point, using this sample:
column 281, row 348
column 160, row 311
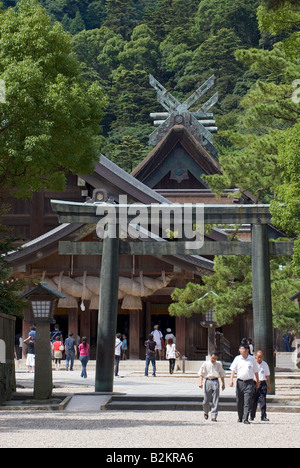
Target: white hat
column 169, row 330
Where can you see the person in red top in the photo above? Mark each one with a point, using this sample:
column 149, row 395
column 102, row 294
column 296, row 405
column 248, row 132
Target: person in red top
column 84, row 350
column 58, row 348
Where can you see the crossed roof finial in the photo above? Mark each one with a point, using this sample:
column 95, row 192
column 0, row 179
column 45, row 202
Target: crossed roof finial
column 200, row 123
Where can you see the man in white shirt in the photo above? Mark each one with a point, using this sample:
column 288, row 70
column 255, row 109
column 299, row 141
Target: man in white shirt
column 157, row 337
column 118, row 346
column 212, row 371
column 260, row 394
column 246, row 370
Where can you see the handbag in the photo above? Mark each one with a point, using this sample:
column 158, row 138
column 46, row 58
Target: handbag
column 61, row 348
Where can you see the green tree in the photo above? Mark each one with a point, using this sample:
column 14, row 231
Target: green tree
column 229, row 293
column 50, row 119
column 131, row 97
column 10, row 290
column 77, row 24
column 252, row 163
column 142, row 50
column 122, row 16
column 215, row 56
column 240, row 17
column 128, row 153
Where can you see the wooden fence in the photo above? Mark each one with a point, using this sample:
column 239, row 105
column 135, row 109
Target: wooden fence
column 7, row 365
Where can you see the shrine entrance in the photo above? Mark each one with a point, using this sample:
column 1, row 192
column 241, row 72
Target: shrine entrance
column 112, row 246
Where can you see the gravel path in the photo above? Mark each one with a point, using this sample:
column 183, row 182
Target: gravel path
column 144, row 430
column 141, row 429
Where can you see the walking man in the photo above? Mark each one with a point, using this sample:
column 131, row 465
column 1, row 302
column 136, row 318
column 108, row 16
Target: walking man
column 246, row 369
column 260, row 394
column 118, row 352
column 212, row 371
column 70, row 347
column 150, row 345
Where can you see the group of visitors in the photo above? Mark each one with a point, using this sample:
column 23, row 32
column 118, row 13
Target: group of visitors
column 71, row 350
column 58, row 347
column 161, row 343
column 253, row 383
column 154, row 346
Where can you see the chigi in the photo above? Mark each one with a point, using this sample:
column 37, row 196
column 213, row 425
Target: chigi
column 118, row 458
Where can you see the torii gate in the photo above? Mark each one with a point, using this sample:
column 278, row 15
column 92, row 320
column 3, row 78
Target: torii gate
column 112, row 246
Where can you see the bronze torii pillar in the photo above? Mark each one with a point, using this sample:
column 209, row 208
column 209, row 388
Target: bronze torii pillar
column 108, row 313
column 262, row 298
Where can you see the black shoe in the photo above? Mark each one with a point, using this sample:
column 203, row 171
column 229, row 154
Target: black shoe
column 240, row 420
column 246, row 421
column 265, row 419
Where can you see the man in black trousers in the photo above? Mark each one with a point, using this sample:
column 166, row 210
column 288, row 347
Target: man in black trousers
column 260, row 394
column 246, row 370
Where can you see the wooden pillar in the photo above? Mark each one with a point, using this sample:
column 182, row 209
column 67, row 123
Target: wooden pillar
column 134, row 333
column 262, row 299
column 108, row 312
column 73, row 322
column 181, row 334
column 148, row 318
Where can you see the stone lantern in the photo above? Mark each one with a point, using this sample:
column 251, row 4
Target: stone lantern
column 43, row 301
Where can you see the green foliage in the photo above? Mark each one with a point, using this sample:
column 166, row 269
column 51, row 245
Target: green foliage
column 128, row 153
column 240, row 17
column 10, row 290
column 286, row 207
column 229, row 293
column 252, row 162
column 50, row 120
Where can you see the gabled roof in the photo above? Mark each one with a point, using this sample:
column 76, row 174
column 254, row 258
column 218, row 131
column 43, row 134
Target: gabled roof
column 117, row 179
column 178, row 135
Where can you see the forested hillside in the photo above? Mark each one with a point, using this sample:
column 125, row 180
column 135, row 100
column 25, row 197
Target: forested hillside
column 181, row 42
column 250, row 45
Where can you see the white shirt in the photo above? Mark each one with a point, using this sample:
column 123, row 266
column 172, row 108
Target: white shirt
column 171, row 351
column 245, row 369
column 263, row 371
column 157, row 336
column 118, row 347
column 210, row 370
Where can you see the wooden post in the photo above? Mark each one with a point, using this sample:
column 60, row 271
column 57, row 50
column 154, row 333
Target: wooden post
column 134, row 348
column 73, row 323
column 262, row 299
column 107, row 319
